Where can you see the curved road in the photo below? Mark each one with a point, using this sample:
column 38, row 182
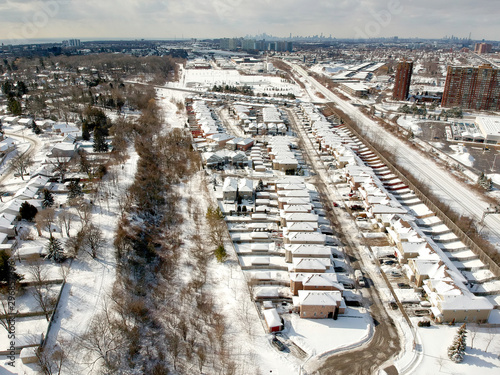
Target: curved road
column 35, row 146
column 443, row 184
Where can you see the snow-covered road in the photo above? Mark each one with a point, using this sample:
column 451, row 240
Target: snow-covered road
column 442, row 183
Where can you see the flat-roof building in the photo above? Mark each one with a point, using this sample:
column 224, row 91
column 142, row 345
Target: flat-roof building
column 490, row 128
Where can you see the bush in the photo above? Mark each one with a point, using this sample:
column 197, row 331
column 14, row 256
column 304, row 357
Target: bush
column 27, row 211
column 220, row 254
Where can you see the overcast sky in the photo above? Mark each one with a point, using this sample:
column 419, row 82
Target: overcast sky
column 130, row 19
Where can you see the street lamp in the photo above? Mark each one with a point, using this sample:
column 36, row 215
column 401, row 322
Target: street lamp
column 493, row 165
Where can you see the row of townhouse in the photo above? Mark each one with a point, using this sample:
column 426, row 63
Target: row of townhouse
column 209, row 128
column 373, row 187
column 313, row 282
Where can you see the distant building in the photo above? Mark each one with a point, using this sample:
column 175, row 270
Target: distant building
column 402, row 80
column 481, row 48
column 472, row 88
column 230, row 43
column 357, row 89
column 72, row 43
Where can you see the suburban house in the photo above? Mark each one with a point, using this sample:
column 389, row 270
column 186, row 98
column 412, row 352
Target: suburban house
column 319, row 304
column 452, row 304
column 245, row 189
column 314, row 281
column 306, row 251
column 314, row 265
column 230, row 189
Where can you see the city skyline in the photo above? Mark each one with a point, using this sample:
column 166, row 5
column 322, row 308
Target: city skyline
column 162, row 19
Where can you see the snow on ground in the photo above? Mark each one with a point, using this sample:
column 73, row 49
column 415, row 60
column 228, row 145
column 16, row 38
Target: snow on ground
column 89, row 281
column 495, row 177
column 460, row 154
column 207, row 78
column 319, row 337
column 476, row 360
column 410, row 123
column 437, row 144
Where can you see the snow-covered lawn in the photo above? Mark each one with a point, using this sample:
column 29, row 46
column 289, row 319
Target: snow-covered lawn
column 476, row 361
column 319, row 337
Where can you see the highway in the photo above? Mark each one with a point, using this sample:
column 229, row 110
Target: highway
column 442, row 183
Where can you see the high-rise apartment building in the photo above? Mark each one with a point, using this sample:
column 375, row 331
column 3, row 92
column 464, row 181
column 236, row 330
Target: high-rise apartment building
column 482, row 48
column 472, row 88
column 402, row 80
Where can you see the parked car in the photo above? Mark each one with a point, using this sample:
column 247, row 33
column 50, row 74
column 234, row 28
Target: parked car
column 335, row 204
column 278, row 344
column 403, row 286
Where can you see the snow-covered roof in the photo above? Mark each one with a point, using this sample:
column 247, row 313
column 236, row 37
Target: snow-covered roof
column 230, row 184
column 320, row 298
column 272, row 318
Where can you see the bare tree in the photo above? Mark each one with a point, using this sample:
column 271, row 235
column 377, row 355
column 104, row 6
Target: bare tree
column 41, row 290
column 201, row 355
column 50, row 361
column 102, row 343
column 64, row 270
column 65, row 218
column 473, row 331
column 84, row 211
column 61, row 165
column 5, row 316
column 74, row 244
column 21, row 162
column 44, row 220
column 94, row 240
column 175, row 346
column 489, row 338
column 440, row 361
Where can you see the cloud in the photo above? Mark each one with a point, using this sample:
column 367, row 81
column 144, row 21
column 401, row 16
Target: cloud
column 219, row 18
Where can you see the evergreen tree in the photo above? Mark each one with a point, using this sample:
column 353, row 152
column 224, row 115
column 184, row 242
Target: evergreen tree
column 74, row 190
column 456, row 350
column 85, row 131
column 14, row 107
column 55, row 250
column 100, row 144
column 27, row 211
column 220, row 254
column 48, row 198
column 485, row 182
column 8, row 269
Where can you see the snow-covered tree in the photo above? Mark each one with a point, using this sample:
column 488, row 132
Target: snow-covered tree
column 55, row 250
column 48, row 198
column 456, row 350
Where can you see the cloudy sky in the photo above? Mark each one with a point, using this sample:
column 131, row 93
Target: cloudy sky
column 130, row 19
